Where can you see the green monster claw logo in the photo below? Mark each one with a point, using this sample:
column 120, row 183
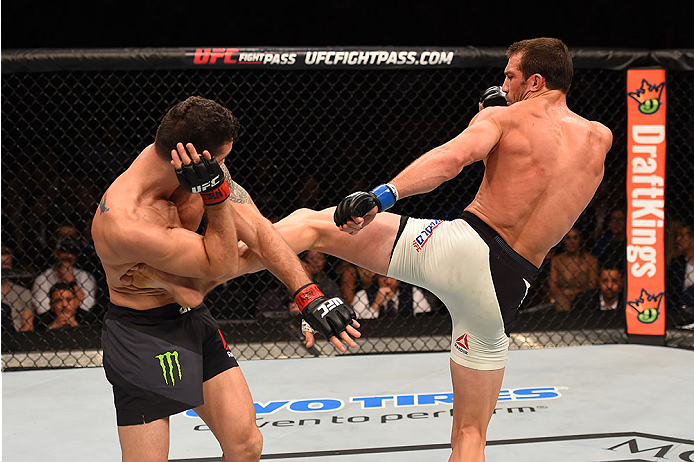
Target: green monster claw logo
column 647, row 306
column 648, row 96
column 169, row 355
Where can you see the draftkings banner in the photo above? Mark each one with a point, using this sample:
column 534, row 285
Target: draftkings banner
column 647, row 104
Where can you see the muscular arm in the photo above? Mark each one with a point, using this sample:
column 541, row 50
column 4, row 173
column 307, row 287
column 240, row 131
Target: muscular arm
column 179, row 251
column 446, row 161
column 260, row 236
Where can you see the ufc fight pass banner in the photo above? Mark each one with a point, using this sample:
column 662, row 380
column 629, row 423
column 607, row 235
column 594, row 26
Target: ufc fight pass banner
column 646, row 106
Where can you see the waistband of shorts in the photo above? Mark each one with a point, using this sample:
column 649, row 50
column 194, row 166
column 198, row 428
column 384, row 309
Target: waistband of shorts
column 491, row 237
column 162, row 313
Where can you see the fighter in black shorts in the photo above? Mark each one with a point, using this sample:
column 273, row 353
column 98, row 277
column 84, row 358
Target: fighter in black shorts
column 162, row 358
column 176, row 350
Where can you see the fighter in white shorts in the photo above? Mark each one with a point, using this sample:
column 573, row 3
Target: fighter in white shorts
column 475, row 273
column 543, row 164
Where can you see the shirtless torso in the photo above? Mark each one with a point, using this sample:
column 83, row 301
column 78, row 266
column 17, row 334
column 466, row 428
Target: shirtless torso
column 133, row 223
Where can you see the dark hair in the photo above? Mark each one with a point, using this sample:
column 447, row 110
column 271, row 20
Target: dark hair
column 61, row 286
column 197, row 120
column 612, row 264
column 548, row 57
column 688, row 222
column 69, row 244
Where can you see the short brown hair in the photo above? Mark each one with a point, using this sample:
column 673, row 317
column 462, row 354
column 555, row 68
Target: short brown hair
column 197, row 120
column 548, row 57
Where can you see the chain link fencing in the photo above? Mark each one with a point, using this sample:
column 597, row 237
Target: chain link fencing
column 308, row 137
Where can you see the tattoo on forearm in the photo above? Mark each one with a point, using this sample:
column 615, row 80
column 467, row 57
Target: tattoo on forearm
column 239, row 195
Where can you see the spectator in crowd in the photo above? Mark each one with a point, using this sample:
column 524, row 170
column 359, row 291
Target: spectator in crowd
column 354, row 278
column 612, row 244
column 572, row 271
column 390, row 299
column 608, row 296
column 65, row 256
column 16, row 299
column 680, row 273
column 64, row 306
column 315, row 267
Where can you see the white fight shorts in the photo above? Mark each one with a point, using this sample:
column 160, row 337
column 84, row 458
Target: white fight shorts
column 475, row 273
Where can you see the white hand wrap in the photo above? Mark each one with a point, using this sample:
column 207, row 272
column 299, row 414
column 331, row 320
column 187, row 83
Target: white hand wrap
column 306, row 327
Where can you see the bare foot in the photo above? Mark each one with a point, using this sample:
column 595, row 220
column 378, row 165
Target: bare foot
column 187, row 292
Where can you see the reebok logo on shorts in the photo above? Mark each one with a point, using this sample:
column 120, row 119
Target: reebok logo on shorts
column 226, row 347
column 461, row 344
column 424, row 235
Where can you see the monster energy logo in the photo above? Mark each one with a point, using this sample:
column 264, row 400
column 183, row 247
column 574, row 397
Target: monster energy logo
column 169, row 355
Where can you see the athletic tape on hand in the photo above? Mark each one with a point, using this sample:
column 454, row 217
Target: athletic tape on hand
column 306, row 327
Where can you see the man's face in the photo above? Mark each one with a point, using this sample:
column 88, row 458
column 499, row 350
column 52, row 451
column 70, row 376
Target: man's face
column 572, row 241
column 684, row 238
column 514, row 83
column 6, row 261
column 611, row 283
column 226, row 148
column 66, row 258
column 61, row 302
column 385, row 281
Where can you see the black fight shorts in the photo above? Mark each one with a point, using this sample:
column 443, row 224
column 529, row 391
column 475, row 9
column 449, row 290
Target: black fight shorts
column 158, row 359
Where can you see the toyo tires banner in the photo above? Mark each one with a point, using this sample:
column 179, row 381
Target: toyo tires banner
column 646, row 108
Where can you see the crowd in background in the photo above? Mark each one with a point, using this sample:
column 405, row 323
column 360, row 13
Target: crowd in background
column 52, row 278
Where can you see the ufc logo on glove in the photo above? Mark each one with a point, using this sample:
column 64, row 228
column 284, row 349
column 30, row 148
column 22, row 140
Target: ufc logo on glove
column 329, row 305
column 205, row 186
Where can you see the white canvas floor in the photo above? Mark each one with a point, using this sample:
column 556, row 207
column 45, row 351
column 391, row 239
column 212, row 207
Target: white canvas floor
column 587, row 403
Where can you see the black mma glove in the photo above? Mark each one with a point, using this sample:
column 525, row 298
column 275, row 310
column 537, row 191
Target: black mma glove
column 493, row 96
column 205, row 177
column 359, row 203
column 327, row 316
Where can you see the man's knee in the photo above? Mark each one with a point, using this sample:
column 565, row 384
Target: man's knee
column 313, row 223
column 248, row 449
column 469, row 434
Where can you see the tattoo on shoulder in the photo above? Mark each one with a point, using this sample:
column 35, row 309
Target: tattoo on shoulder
column 102, row 206
column 239, row 195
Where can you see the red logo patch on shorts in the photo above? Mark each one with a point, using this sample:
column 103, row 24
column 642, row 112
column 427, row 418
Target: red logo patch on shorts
column 226, row 347
column 461, row 343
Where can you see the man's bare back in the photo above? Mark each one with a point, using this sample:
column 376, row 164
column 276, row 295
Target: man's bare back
column 542, row 173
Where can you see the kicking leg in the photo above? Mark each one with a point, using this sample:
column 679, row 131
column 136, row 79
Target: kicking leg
column 307, row 229
column 229, row 412
column 475, row 394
